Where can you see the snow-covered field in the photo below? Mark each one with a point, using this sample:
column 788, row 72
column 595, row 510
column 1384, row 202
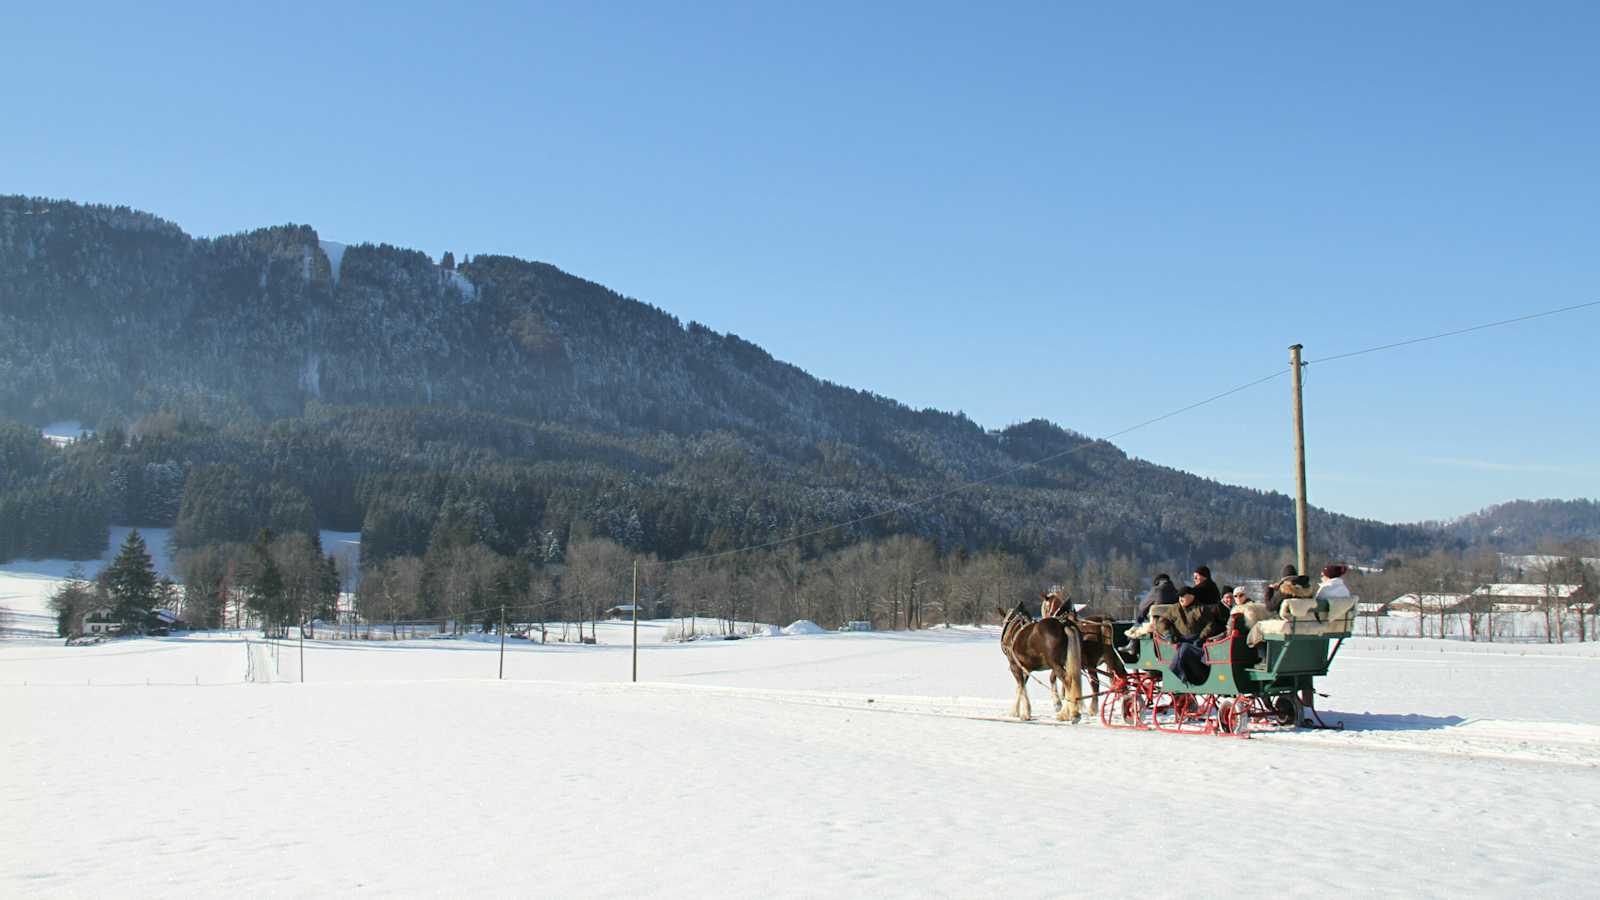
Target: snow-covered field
column 834, row 764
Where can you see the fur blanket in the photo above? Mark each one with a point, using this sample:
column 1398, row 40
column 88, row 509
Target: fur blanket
column 1251, row 614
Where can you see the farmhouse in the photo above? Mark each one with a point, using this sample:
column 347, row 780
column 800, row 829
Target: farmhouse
column 166, row 618
column 1527, row 597
column 1412, row 604
column 1530, row 566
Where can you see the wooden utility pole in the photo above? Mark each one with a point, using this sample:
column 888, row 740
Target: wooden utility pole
column 636, row 619
column 502, row 641
column 1303, row 551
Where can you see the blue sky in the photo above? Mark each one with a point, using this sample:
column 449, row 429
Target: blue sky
column 1017, row 212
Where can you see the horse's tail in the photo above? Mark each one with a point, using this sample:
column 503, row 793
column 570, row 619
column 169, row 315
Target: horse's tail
column 1074, row 669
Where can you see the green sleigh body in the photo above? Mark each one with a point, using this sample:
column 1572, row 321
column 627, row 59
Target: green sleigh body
column 1266, row 674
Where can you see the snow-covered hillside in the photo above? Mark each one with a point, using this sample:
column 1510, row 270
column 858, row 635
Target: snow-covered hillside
column 841, row 764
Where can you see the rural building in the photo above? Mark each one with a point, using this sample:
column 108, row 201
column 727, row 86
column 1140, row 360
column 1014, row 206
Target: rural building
column 1527, row 597
column 166, row 618
column 1432, row 604
column 1414, row 615
column 1491, row 612
column 1531, row 566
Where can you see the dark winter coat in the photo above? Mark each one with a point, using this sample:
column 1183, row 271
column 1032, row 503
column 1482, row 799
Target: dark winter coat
column 1288, row 586
column 1196, row 622
column 1163, row 592
column 1207, row 592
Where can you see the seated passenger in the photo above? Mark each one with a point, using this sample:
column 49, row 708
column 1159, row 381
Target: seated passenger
column 1292, row 584
column 1161, row 591
column 1243, row 614
column 1332, row 587
column 1205, row 590
column 1241, row 605
column 1189, row 626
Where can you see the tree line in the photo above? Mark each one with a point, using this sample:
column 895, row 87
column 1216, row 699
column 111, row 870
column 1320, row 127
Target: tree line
column 900, row 582
column 274, row 581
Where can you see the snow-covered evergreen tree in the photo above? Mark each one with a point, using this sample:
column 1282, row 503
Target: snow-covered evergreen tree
column 131, row 583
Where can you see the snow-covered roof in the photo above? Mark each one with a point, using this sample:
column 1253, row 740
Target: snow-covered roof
column 1541, row 591
column 1539, row 560
column 1430, row 600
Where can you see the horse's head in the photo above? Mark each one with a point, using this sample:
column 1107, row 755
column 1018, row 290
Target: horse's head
column 1055, row 603
column 1018, row 616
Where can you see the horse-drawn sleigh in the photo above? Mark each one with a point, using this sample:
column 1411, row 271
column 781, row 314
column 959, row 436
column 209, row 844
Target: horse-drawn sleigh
column 1256, row 674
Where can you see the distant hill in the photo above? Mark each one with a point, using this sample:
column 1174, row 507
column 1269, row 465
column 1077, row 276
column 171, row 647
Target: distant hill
column 304, row 383
column 1528, row 523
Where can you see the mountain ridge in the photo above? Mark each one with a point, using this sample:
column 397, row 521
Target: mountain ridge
column 114, row 315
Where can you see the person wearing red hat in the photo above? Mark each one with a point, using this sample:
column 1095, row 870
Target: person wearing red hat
column 1332, row 586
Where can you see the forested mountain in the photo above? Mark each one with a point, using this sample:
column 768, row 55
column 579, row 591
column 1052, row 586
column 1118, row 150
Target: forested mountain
column 1528, row 523
column 269, row 378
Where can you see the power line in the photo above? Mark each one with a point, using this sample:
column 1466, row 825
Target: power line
column 1445, row 334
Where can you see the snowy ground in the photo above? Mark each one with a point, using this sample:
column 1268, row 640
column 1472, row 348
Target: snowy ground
column 840, row 764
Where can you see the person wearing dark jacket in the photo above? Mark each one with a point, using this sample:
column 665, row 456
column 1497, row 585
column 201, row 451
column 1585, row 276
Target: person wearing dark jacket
column 1205, row 590
column 1162, row 590
column 1189, row 626
column 1292, row 584
column 1191, row 621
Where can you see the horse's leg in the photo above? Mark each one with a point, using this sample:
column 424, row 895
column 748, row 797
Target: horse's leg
column 1094, row 685
column 1057, row 690
column 1016, row 701
column 1059, row 671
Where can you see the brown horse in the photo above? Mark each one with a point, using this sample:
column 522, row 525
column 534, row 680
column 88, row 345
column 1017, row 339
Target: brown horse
column 1098, row 639
column 1031, row 647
